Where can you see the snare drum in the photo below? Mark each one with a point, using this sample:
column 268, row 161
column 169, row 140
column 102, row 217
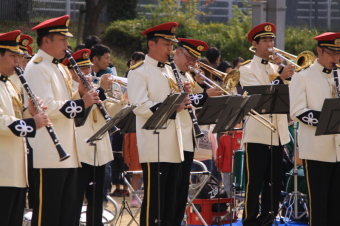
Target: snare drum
column 239, row 173
column 26, row 221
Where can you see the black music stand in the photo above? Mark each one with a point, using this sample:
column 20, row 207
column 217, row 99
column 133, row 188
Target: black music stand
column 274, row 100
column 329, row 120
column 159, row 121
column 97, row 136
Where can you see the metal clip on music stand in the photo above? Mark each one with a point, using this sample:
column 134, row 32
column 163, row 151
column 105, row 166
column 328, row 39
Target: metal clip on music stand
column 159, row 121
column 97, row 136
column 274, row 100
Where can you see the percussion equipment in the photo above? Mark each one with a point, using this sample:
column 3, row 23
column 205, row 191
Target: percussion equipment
column 302, row 184
column 239, row 173
column 110, row 212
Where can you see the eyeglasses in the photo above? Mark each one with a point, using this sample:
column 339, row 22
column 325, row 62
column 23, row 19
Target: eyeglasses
column 332, row 54
column 190, row 59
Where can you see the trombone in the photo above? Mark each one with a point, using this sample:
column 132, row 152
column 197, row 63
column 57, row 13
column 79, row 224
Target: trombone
column 229, row 80
column 262, row 120
column 304, row 59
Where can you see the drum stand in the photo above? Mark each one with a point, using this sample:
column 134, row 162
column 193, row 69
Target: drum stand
column 125, row 206
column 296, row 193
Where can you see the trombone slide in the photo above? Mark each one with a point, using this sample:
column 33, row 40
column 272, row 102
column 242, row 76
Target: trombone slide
column 262, row 120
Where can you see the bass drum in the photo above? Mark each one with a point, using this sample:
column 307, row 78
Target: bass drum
column 110, row 212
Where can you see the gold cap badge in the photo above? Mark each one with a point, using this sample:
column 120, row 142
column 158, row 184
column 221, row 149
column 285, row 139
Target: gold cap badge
column 268, row 28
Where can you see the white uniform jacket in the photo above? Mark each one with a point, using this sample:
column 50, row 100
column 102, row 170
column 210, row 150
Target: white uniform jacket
column 51, row 83
column 93, row 123
column 12, row 141
column 308, row 90
column 257, row 73
column 148, row 85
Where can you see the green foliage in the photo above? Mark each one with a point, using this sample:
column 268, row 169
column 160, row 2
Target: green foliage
column 121, row 10
column 230, row 38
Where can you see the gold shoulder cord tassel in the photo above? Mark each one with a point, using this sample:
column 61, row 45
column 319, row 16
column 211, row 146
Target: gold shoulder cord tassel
column 17, row 102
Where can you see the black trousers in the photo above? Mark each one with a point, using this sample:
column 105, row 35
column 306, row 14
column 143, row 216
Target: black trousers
column 12, row 204
column 183, row 186
column 163, row 204
column 55, row 197
column 85, row 181
column 323, row 184
column 262, row 167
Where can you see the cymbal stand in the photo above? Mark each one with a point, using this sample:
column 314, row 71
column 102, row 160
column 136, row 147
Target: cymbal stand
column 296, row 193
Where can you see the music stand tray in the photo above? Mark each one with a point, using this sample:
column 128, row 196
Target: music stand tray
column 212, row 109
column 123, row 113
column 274, row 99
column 329, row 121
column 233, row 113
column 168, row 108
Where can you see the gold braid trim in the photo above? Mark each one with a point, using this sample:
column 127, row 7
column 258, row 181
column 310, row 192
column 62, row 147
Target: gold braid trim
column 17, row 102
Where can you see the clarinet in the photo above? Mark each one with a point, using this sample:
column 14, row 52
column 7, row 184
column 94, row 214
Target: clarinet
column 88, row 86
column 198, row 132
column 62, row 154
column 336, row 80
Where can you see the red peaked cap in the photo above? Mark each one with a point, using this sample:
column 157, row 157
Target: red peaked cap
column 9, row 41
column 166, row 31
column 55, row 25
column 24, row 42
column 262, row 30
column 329, row 40
column 82, row 57
column 193, row 46
column 29, row 51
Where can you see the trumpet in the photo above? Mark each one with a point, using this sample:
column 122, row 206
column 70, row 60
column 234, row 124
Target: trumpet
column 229, row 80
column 117, row 89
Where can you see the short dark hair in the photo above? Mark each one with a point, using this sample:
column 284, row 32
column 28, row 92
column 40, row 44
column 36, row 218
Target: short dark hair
column 40, row 38
column 154, row 39
column 136, row 56
column 91, row 41
column 237, row 60
column 79, row 47
column 99, row 50
column 223, row 66
column 212, row 54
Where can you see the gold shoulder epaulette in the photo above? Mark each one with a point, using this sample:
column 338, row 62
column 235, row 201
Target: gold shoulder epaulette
column 37, row 60
column 338, row 65
column 245, row 62
column 136, row 65
column 302, row 68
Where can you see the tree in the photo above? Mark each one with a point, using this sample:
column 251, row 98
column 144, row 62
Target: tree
column 92, row 12
column 121, row 10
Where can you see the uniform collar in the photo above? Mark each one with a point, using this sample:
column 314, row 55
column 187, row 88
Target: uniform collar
column 5, row 78
column 182, row 73
column 154, row 62
column 259, row 60
column 321, row 68
column 46, row 56
column 55, row 61
column 265, row 62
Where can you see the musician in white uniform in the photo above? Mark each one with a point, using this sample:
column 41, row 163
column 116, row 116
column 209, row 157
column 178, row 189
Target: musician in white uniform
column 187, row 53
column 257, row 138
column 149, row 85
column 13, row 130
column 94, row 121
column 320, row 154
column 56, row 181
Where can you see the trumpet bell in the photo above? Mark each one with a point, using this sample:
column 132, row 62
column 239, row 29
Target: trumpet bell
column 231, row 80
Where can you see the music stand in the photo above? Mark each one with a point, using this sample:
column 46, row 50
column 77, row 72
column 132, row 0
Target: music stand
column 97, row 136
column 159, row 121
column 329, row 120
column 128, row 123
column 274, row 100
